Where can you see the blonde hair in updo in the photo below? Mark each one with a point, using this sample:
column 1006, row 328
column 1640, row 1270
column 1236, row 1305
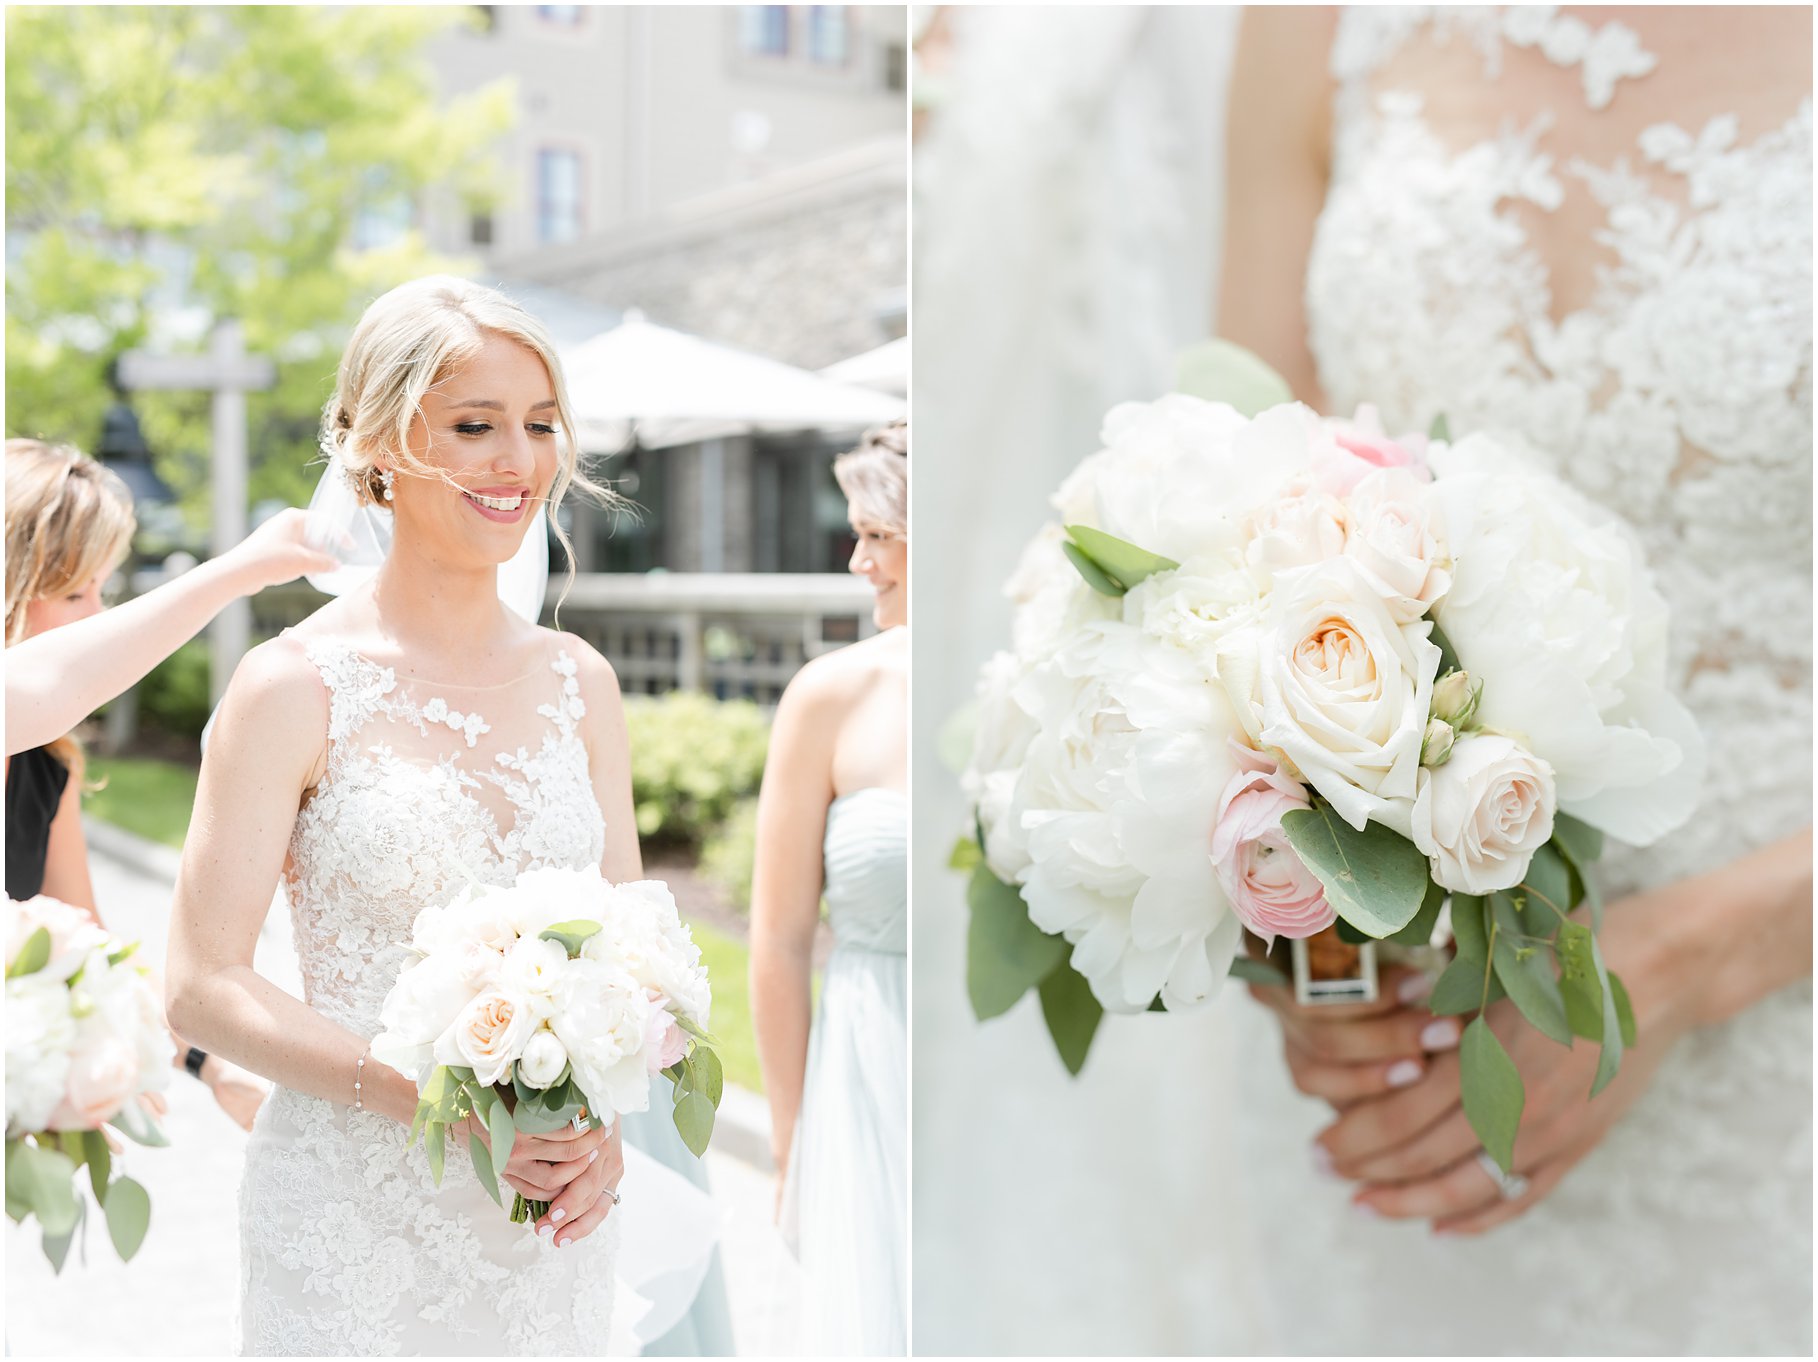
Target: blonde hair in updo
column 875, row 476
column 409, row 340
column 68, row 521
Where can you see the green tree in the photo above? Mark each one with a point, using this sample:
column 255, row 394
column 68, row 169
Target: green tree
column 169, row 166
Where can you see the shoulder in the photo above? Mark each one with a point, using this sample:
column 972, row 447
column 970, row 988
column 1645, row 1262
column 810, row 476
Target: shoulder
column 278, row 693
column 281, row 671
column 835, row 681
column 591, row 668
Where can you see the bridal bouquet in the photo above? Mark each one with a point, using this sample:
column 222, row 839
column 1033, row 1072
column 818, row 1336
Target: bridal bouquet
column 85, row 1036
column 557, row 995
column 1276, row 672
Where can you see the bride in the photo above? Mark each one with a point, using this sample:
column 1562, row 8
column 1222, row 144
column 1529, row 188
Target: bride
column 410, row 734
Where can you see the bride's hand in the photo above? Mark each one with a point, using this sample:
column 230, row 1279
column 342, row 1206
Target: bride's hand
column 584, row 1202
column 1347, row 1052
column 542, row 1167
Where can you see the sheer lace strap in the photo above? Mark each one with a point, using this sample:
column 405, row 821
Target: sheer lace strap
column 568, row 706
column 1369, row 36
column 358, row 689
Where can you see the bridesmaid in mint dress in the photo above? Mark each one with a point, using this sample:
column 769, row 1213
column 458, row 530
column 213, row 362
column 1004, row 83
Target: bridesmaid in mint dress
column 833, row 822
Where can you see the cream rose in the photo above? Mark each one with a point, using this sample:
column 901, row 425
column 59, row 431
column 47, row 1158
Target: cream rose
column 488, row 1035
column 1345, row 691
column 1395, row 535
column 1303, row 526
column 103, row 1076
column 1480, row 817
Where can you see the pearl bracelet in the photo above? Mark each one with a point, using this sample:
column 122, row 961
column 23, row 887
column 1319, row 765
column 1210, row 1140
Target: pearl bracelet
column 359, row 1070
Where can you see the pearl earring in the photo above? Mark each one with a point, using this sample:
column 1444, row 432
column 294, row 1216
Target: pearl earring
column 385, row 484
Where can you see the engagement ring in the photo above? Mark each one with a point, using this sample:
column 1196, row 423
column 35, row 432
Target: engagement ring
column 1513, row 1186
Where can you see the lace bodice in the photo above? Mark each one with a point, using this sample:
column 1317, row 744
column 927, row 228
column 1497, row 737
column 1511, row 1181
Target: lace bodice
column 1515, row 238
column 348, row 1246
column 867, row 870
column 421, row 791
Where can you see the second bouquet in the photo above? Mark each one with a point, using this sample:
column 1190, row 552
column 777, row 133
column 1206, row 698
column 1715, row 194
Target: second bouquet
column 553, row 1000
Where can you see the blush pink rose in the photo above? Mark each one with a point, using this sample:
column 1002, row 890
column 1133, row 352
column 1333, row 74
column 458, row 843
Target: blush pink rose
column 103, row 1076
column 1362, row 447
column 1272, row 891
column 664, row 1041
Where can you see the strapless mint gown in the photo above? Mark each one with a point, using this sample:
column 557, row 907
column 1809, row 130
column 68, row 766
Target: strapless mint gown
column 846, row 1205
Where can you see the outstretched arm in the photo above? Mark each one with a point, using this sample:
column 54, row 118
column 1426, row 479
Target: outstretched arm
column 786, row 891
column 57, row 679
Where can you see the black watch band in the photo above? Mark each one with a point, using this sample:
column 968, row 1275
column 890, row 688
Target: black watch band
column 194, row 1060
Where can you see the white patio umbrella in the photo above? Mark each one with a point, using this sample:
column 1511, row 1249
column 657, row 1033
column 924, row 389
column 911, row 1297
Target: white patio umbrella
column 671, row 388
column 885, row 368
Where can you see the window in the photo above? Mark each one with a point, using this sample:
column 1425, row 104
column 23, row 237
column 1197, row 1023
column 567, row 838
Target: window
column 827, row 44
column 479, row 229
column 764, row 29
column 558, row 195
column 567, row 16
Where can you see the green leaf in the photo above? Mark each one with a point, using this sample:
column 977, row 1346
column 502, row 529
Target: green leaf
column 1351, row 935
column 482, row 1166
column 499, row 1125
column 570, row 934
column 1223, row 371
column 1254, row 971
column 1530, row 982
column 1072, row 1014
column 1580, row 980
column 966, row 854
column 33, row 956
column 1120, row 560
column 705, row 1038
column 128, row 1216
column 17, row 1205
column 1470, row 930
column 1448, row 655
column 1157, row 1005
column 713, row 1076
column 1548, row 885
column 435, row 1142
column 125, row 953
column 1006, row 953
column 1625, row 1010
column 1094, row 575
column 44, row 1178
column 56, row 1246
column 1459, row 988
column 1419, row 931
column 1441, row 429
column 1609, row 1060
column 694, row 1122
column 1492, row 1091
column 100, row 1162
column 1580, row 845
column 1375, row 879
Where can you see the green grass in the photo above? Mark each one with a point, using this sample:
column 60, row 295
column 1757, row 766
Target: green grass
column 143, row 795
column 153, row 798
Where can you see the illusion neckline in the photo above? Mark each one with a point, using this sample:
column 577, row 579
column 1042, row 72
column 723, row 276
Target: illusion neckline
column 549, row 664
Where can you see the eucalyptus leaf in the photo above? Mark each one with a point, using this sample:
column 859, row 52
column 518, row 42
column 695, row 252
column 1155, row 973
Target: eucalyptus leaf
column 1625, row 1010
column 17, row 1205
column 1441, row 429
column 1095, row 576
column 1253, row 971
column 482, row 1166
column 56, row 1246
column 1156, row 1005
column 1351, row 935
column 128, row 1216
column 134, row 1122
column 1459, row 988
column 100, row 1162
column 694, row 1029
column 1492, row 1092
column 570, row 934
column 713, row 1076
column 502, row 1129
column 1530, row 982
column 694, row 1122
column 435, row 1143
column 1579, row 845
column 1223, row 371
column 1419, row 931
column 1470, row 929
column 1580, row 980
column 1072, row 1014
column 966, row 854
column 1548, row 885
column 33, row 956
column 45, row 1178
column 1120, row 560
column 1609, row 1060
column 1448, row 655
column 1006, row 953
column 1375, row 879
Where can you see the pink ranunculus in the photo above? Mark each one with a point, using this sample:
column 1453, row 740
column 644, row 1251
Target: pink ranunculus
column 1271, row 889
column 664, row 1041
column 1362, row 447
column 103, row 1076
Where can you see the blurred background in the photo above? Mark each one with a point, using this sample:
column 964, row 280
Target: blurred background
column 706, row 205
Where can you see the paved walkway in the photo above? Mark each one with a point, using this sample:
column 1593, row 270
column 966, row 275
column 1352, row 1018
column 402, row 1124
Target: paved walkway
column 178, row 1295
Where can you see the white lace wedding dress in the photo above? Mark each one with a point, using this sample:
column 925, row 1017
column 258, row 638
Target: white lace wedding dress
column 348, row 1247
column 1674, row 386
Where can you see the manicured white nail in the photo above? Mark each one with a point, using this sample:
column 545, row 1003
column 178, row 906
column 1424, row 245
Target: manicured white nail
column 592, row 1154
column 1440, row 1035
column 563, row 1243
column 1403, row 1072
column 557, row 1215
column 1414, row 987
column 1366, row 1210
column 1322, row 1161
column 546, row 1231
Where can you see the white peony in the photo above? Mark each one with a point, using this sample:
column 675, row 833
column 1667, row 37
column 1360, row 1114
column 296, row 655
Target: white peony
column 40, row 1034
column 1553, row 607
column 1480, row 817
column 420, row 1009
column 603, row 1028
column 1002, row 730
column 543, row 1060
column 1303, row 526
column 1345, row 692
column 536, row 970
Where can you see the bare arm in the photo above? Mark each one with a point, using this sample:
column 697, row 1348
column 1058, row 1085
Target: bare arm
column 66, row 873
column 1276, row 164
column 786, row 892
column 609, row 762
column 58, row 678
column 264, row 754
